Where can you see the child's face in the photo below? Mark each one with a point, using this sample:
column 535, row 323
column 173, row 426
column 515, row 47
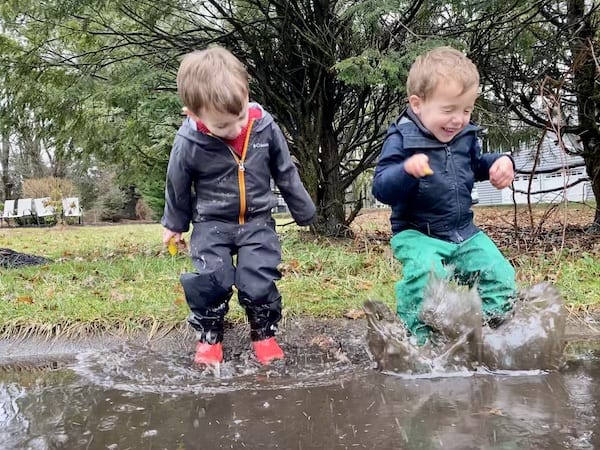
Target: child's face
column 222, row 124
column 446, row 111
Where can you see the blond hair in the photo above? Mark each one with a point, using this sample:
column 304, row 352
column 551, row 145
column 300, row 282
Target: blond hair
column 212, row 79
column 438, row 64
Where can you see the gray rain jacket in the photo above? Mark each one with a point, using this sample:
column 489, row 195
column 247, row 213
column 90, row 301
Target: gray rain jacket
column 207, row 180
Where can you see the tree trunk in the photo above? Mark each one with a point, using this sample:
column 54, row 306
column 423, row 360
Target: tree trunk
column 593, row 169
column 131, row 198
column 317, row 154
column 4, row 159
column 587, row 91
column 330, row 194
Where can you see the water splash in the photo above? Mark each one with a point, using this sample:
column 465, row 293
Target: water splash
column 135, row 369
column 531, row 339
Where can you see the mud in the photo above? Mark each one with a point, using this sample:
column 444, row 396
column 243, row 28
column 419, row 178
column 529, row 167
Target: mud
column 340, row 340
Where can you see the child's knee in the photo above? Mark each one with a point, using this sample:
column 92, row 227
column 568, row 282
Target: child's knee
column 204, row 288
column 500, row 275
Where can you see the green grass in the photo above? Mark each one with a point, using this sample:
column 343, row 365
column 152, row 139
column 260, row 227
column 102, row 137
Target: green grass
column 329, row 278
column 579, row 280
column 575, row 274
column 120, row 278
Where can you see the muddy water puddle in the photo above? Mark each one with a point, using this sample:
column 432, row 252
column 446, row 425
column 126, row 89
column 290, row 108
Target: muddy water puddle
column 133, row 398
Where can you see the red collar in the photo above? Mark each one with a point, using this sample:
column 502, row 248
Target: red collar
column 237, row 143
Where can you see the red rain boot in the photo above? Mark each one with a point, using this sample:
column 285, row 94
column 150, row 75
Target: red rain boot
column 267, row 350
column 209, row 354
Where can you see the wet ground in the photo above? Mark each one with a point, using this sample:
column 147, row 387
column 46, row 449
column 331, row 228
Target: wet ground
column 107, row 393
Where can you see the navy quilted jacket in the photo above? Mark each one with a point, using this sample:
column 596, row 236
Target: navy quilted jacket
column 438, row 205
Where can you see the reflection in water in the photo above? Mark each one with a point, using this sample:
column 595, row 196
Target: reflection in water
column 11, row 418
column 132, row 399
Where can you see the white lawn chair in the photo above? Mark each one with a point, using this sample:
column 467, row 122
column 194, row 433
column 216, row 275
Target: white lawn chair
column 43, row 209
column 71, row 208
column 24, row 210
column 8, row 212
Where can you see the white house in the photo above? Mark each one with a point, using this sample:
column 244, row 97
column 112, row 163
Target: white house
column 554, row 170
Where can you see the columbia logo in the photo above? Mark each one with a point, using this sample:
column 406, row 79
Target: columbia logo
column 260, row 145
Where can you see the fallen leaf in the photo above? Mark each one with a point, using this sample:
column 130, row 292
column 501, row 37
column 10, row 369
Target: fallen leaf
column 175, row 246
column 490, row 412
column 323, row 341
column 172, row 247
column 364, row 285
column 354, row 314
column 120, row 297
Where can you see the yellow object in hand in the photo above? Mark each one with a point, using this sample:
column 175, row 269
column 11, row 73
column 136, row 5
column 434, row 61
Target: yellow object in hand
column 172, row 247
column 428, row 170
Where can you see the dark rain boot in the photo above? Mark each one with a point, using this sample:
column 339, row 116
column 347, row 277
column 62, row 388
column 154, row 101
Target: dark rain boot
column 263, row 317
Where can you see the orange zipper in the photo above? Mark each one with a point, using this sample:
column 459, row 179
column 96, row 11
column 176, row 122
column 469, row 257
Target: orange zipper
column 241, row 174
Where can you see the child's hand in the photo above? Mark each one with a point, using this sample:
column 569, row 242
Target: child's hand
column 176, row 236
column 168, row 234
column 173, row 241
column 418, row 165
column 502, row 173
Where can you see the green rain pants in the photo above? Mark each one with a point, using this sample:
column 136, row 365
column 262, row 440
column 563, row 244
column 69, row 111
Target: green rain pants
column 476, row 260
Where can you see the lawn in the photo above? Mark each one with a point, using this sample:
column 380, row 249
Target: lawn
column 120, row 278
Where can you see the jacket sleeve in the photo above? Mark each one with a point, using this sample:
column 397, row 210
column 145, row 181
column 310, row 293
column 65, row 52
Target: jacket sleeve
column 178, row 190
column 391, row 183
column 288, row 181
column 482, row 162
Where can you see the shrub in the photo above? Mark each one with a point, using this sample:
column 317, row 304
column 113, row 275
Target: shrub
column 55, row 188
column 110, row 204
column 143, row 210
